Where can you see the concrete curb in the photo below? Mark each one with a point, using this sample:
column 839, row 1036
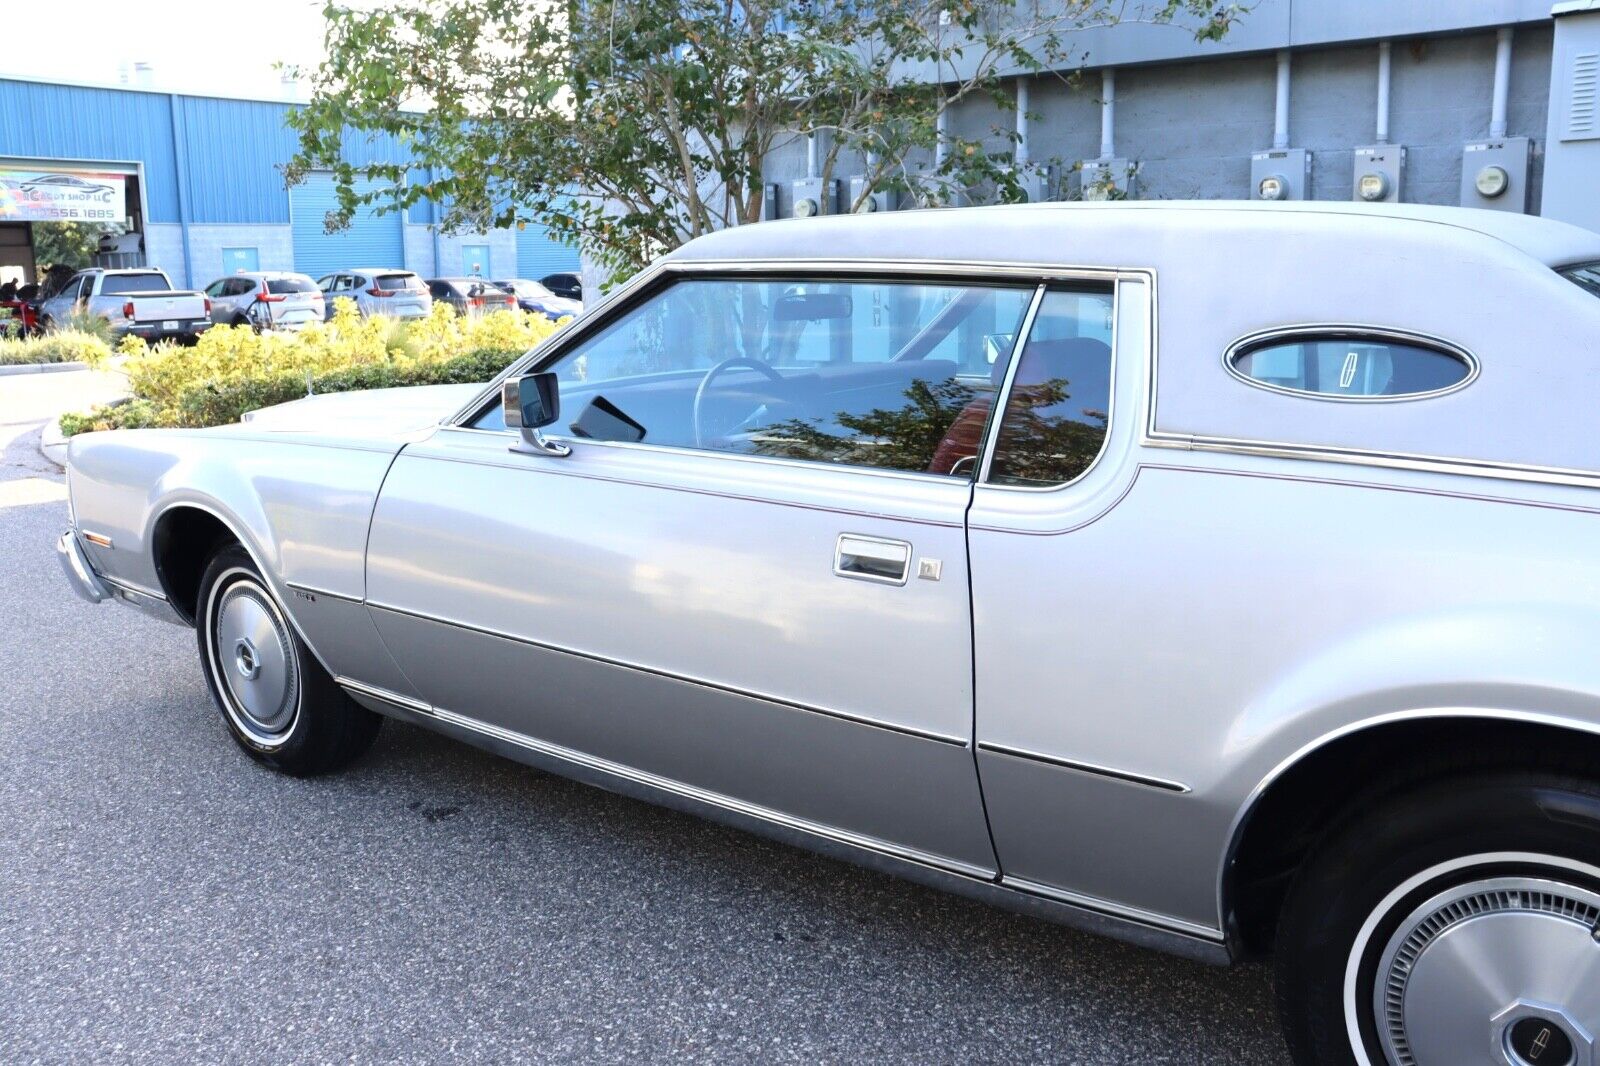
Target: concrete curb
column 41, row 368
column 52, row 445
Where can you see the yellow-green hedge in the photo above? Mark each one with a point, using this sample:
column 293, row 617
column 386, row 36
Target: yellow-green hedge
column 67, row 346
column 232, row 369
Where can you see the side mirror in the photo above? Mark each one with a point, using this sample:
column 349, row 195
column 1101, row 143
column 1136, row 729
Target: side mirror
column 532, row 402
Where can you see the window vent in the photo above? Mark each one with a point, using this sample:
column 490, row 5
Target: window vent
column 1583, row 115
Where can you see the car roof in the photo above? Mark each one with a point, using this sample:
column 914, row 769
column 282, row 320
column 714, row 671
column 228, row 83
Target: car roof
column 1034, row 233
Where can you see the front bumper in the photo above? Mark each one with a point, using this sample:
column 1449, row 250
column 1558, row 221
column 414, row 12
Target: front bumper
column 80, row 575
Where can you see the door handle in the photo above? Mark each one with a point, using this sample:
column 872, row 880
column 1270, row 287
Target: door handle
column 887, row 562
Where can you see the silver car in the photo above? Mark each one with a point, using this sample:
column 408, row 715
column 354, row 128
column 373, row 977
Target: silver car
column 1219, row 577
column 376, row 291
column 265, row 299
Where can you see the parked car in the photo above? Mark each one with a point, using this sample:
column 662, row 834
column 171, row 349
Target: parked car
column 538, row 300
column 471, row 296
column 141, row 302
column 267, row 299
column 396, row 293
column 1023, row 553
column 565, row 285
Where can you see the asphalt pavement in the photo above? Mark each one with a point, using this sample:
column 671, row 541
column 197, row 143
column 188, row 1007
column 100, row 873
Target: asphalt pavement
column 163, row 899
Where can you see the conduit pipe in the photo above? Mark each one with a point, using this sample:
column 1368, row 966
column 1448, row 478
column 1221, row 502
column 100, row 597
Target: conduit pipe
column 1502, row 82
column 1108, row 114
column 1280, row 117
column 1022, row 122
column 941, row 128
column 1384, row 73
column 813, row 163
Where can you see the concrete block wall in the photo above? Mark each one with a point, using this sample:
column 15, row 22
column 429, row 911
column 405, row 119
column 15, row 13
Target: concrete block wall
column 274, row 247
column 419, row 250
column 502, row 252
column 163, row 248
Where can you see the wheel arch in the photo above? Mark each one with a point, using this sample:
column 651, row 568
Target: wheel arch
column 1313, row 790
column 183, row 537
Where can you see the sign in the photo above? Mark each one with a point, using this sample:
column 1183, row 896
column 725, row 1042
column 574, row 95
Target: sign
column 59, row 196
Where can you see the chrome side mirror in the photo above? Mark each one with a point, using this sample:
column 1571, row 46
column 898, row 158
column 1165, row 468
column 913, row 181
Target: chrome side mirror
column 532, row 402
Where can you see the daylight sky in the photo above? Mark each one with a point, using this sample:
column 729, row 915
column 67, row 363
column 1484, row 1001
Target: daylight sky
column 193, row 46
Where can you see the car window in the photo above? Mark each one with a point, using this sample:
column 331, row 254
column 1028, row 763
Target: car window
column 400, row 282
column 1059, row 404
column 281, row 286
column 117, row 284
column 1352, row 365
column 884, row 374
column 1586, row 276
column 215, row 288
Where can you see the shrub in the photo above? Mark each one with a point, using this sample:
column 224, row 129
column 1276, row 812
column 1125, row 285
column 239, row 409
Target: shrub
column 232, row 369
column 65, row 346
column 81, row 321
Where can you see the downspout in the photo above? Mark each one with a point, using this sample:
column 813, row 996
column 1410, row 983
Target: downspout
column 941, row 130
column 1280, row 118
column 1022, row 123
column 1108, row 114
column 813, row 156
column 1384, row 74
column 1502, row 82
column 181, row 169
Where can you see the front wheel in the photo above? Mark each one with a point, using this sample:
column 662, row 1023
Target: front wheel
column 280, row 705
column 1455, row 925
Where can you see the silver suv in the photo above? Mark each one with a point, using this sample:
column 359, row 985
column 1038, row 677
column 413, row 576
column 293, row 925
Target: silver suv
column 396, row 293
column 265, row 299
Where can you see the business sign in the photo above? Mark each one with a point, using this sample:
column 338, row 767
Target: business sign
column 59, row 196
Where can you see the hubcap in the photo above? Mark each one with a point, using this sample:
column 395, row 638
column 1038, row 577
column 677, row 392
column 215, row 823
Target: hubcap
column 261, row 685
column 1504, row 970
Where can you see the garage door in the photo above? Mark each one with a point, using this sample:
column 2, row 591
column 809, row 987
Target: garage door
column 372, row 240
column 539, row 254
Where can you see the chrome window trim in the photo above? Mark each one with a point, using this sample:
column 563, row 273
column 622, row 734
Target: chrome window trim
column 1332, row 330
column 993, row 439
column 997, row 410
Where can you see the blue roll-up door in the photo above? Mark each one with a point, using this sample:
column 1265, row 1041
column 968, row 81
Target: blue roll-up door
column 372, row 240
column 539, row 254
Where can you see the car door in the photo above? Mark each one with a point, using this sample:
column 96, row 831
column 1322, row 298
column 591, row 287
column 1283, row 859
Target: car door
column 60, row 307
column 747, row 582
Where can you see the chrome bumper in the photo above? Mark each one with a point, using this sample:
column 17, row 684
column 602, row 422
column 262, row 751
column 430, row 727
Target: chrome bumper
column 80, row 575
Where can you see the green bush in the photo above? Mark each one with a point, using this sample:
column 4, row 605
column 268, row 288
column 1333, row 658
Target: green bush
column 65, row 346
column 221, row 403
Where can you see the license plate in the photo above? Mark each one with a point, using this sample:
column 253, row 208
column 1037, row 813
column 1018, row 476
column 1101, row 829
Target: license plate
column 170, row 323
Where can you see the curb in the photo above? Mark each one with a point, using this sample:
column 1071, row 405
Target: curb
column 41, row 368
column 52, row 445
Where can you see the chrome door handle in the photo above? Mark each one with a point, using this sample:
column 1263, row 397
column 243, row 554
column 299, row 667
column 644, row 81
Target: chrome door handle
column 887, row 562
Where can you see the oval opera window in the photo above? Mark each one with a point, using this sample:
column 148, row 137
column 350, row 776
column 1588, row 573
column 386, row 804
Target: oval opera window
column 1350, row 364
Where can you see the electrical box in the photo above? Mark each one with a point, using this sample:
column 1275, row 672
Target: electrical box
column 1494, row 174
column 1038, row 184
column 810, row 197
column 769, row 201
column 1280, row 174
column 1106, row 179
column 882, row 200
column 1378, row 169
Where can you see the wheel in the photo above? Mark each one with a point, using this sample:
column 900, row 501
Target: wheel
column 1453, row 925
column 279, row 703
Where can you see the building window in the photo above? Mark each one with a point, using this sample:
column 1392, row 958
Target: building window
column 237, row 260
column 475, row 260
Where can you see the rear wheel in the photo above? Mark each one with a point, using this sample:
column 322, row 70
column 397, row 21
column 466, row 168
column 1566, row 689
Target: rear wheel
column 280, row 705
column 1454, row 925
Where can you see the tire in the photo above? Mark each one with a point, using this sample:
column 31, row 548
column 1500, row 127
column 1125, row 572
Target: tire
column 279, row 703
column 1473, row 904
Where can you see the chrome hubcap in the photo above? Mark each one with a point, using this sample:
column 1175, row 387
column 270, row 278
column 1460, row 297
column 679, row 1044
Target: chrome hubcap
column 1504, row 970
column 255, row 666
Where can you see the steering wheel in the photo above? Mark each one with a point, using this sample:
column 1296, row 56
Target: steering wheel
column 711, row 375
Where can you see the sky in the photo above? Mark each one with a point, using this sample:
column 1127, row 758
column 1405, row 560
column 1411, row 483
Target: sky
column 192, row 46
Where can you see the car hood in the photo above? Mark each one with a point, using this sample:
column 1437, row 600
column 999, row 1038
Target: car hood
column 373, row 413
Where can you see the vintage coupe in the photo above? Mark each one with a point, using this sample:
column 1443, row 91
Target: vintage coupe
column 1221, row 577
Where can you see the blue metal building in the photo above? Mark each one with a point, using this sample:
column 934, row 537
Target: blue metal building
column 202, row 187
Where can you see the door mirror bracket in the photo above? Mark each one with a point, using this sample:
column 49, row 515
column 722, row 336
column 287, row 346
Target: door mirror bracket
column 532, row 402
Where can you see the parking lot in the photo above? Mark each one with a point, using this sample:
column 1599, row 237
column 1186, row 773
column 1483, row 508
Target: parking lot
column 163, row 899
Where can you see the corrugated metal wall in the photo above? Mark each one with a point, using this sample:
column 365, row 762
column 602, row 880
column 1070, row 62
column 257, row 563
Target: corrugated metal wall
column 539, row 254
column 372, row 240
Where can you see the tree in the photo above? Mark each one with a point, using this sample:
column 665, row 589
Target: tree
column 632, row 126
column 68, row 244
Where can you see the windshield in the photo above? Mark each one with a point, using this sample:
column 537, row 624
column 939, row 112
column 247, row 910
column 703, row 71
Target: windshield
column 1586, row 276
column 117, row 284
column 279, row 286
column 527, row 290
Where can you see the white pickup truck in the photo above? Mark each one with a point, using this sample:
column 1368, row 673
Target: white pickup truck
column 139, row 301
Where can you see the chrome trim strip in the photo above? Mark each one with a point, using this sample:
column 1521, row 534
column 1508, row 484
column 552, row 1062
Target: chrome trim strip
column 386, row 695
column 133, row 589
column 664, row 784
column 1127, row 776
column 997, row 409
column 1339, row 330
column 1104, row 906
column 313, row 590
column 715, row 686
